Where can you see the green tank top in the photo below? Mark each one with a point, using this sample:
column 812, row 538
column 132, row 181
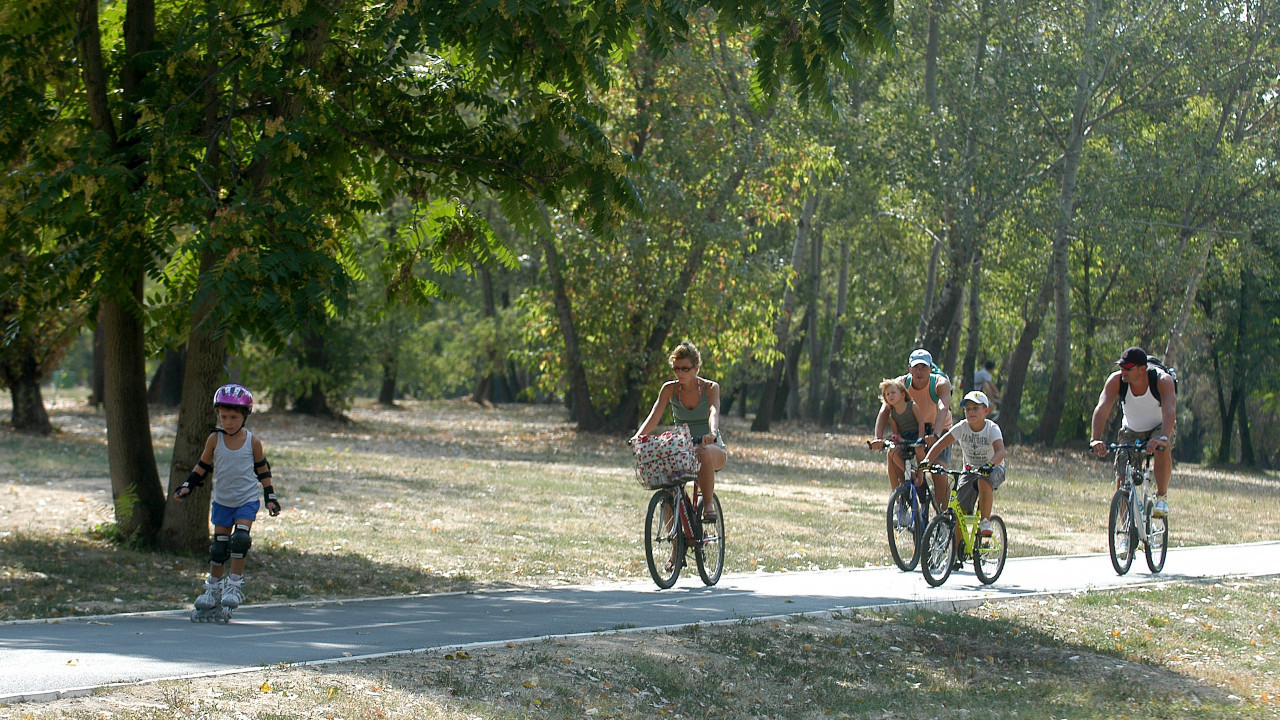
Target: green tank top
column 908, row 426
column 698, row 419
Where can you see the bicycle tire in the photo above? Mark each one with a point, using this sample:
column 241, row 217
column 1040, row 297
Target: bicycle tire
column 1157, row 544
column 1120, row 528
column 900, row 536
column 662, row 533
column 938, row 550
column 710, row 546
column 991, row 552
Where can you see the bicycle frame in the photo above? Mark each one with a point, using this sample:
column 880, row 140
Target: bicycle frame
column 1134, row 487
column 967, row 523
column 954, row 535
column 690, row 523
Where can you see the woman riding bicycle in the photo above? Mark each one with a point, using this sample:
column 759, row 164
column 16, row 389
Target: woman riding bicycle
column 695, row 401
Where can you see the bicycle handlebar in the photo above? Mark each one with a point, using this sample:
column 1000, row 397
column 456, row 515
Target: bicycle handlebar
column 936, row 469
column 1135, row 445
column 889, row 443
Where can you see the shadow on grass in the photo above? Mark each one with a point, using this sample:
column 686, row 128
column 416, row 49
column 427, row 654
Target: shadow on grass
column 42, row 576
column 921, row 664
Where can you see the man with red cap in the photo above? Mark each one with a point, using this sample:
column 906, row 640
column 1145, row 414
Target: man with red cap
column 1148, row 406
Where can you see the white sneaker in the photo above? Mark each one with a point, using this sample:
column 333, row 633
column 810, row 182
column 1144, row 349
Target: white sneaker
column 1161, row 508
column 1122, row 545
column 232, row 595
column 985, row 529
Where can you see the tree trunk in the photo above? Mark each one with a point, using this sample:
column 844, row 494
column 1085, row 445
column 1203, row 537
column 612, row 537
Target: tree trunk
column 792, row 374
column 835, row 365
column 29, row 414
column 949, row 351
column 815, row 347
column 1020, row 360
column 583, row 411
column 1060, row 377
column 135, row 479
column 186, row 524
column 484, row 386
column 782, row 326
column 958, row 216
column 387, row 390
column 166, row 384
column 315, row 401
column 1246, row 442
column 973, row 338
column 98, row 380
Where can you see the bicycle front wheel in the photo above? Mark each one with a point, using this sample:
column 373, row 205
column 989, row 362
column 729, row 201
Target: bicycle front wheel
column 989, row 556
column 938, row 550
column 1157, row 540
column 905, row 525
column 663, row 539
column 709, row 552
column 1120, row 532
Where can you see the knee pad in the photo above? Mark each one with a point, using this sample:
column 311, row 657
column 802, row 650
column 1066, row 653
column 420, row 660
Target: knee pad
column 220, row 549
column 240, row 542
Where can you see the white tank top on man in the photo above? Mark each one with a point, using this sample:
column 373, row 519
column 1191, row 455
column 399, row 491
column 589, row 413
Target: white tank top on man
column 1141, row 413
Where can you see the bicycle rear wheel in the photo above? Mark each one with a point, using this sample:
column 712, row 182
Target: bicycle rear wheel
column 1157, row 544
column 709, row 551
column 663, row 539
column 938, row 550
column 901, row 522
column 989, row 556
column 1120, row 532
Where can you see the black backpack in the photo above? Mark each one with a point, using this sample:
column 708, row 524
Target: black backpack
column 1152, row 377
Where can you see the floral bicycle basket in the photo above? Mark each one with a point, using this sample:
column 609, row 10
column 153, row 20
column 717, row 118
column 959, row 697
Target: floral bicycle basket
column 665, row 460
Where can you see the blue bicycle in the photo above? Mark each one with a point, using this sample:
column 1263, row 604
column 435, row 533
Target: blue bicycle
column 909, row 508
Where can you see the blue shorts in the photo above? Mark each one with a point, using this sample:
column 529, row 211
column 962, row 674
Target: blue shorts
column 223, row 516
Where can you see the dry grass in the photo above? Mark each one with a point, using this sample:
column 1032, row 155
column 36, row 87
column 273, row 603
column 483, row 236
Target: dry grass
column 1182, row 651
column 449, row 495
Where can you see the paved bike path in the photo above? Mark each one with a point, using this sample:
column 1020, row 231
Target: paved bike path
column 45, row 660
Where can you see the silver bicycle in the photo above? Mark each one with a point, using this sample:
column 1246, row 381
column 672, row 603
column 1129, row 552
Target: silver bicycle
column 1130, row 522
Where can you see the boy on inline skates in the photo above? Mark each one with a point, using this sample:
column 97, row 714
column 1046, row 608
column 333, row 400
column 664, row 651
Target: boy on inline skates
column 241, row 466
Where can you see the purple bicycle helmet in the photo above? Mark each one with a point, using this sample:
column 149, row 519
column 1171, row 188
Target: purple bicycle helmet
column 235, row 396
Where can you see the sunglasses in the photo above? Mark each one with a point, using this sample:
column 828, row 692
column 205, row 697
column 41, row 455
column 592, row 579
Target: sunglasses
column 682, row 368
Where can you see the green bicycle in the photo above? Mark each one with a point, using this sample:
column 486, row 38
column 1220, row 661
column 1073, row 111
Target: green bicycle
column 942, row 553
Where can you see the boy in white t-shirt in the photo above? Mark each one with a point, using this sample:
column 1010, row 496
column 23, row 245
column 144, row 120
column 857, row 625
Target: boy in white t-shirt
column 982, row 444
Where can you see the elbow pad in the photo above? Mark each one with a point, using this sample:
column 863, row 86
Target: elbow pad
column 262, row 469
column 195, row 479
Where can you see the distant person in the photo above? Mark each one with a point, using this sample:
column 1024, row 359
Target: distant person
column 982, row 447
column 930, row 390
column 241, row 467
column 694, row 401
column 1148, row 405
column 904, row 428
column 984, row 382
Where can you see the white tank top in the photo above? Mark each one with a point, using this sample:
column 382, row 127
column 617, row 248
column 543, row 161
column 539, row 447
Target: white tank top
column 234, row 483
column 1141, row 412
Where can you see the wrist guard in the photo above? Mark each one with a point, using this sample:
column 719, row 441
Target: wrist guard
column 270, row 501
